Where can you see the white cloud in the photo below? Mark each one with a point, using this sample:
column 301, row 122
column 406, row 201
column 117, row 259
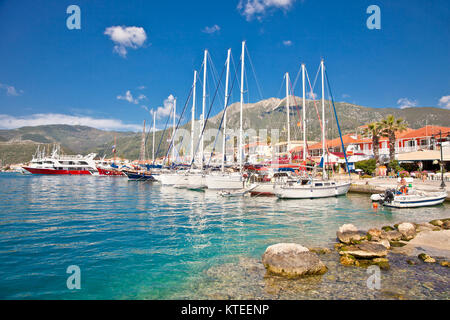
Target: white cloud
column 10, row 90
column 345, row 95
column 445, row 102
column 141, row 87
column 404, row 103
column 287, row 43
column 11, row 122
column 129, row 97
column 258, row 8
column 166, row 109
column 311, row 95
column 126, row 37
column 214, row 28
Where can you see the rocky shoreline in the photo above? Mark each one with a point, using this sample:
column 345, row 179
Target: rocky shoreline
column 359, row 248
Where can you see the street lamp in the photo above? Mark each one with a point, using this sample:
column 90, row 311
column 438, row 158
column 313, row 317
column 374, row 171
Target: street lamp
column 433, row 138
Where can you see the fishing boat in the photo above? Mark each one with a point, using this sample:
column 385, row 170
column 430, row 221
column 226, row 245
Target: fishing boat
column 413, row 199
column 57, row 164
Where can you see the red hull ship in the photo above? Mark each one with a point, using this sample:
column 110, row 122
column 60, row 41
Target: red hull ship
column 110, row 172
column 57, row 171
column 57, row 164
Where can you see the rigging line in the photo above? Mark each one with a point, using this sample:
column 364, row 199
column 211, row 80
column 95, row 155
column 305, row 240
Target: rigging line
column 317, row 111
column 298, row 112
column 221, row 120
column 254, row 73
column 163, row 134
column 207, row 118
column 167, row 121
column 297, row 77
column 315, row 80
column 178, row 123
column 337, row 122
column 214, row 72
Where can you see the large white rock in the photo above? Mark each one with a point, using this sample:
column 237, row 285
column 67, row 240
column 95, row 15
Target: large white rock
column 408, row 230
column 347, row 228
column 292, row 260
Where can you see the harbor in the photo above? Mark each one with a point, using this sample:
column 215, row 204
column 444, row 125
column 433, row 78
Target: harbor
column 144, row 241
column 215, row 158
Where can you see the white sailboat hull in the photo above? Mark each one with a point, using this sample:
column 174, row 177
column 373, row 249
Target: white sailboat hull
column 267, row 188
column 297, row 191
column 171, row 179
column 224, row 182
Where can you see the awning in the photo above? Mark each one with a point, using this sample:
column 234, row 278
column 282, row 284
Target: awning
column 424, row 155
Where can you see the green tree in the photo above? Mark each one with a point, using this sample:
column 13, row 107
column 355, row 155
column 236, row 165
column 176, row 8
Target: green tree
column 368, row 166
column 374, row 130
column 389, row 127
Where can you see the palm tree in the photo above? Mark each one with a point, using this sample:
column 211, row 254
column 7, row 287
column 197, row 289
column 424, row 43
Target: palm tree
column 390, row 126
column 374, row 130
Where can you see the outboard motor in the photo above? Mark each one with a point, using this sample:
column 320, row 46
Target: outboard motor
column 388, row 196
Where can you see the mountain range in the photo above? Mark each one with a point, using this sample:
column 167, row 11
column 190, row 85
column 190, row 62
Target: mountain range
column 18, row 145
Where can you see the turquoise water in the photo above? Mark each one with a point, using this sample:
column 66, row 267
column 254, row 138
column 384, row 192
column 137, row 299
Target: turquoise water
column 143, row 241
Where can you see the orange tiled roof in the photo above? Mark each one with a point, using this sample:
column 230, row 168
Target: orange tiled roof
column 427, row 131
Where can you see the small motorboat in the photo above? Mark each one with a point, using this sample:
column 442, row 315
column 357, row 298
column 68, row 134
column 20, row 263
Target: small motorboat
column 413, row 199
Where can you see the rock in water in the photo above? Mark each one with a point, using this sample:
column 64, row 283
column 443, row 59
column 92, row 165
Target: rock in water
column 374, row 234
column 393, row 235
column 366, row 250
column 348, row 234
column 445, row 263
column 426, row 258
column 292, row 260
column 408, row 230
column 426, row 227
column 436, row 223
column 384, row 243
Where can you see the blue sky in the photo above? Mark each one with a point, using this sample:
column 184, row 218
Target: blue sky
column 49, row 73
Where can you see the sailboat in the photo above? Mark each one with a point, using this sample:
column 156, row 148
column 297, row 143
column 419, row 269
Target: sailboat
column 310, row 187
column 171, row 177
column 234, row 180
column 195, row 178
column 267, row 186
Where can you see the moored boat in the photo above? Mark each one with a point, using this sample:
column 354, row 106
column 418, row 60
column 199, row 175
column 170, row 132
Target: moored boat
column 311, row 189
column 57, row 164
column 413, row 199
column 139, row 176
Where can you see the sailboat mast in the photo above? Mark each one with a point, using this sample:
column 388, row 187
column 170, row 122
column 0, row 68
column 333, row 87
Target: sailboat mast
column 323, row 118
column 205, row 61
column 193, row 116
column 153, row 144
column 242, row 101
column 173, row 137
column 288, row 146
column 225, row 111
column 114, row 150
column 304, row 112
column 142, row 153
